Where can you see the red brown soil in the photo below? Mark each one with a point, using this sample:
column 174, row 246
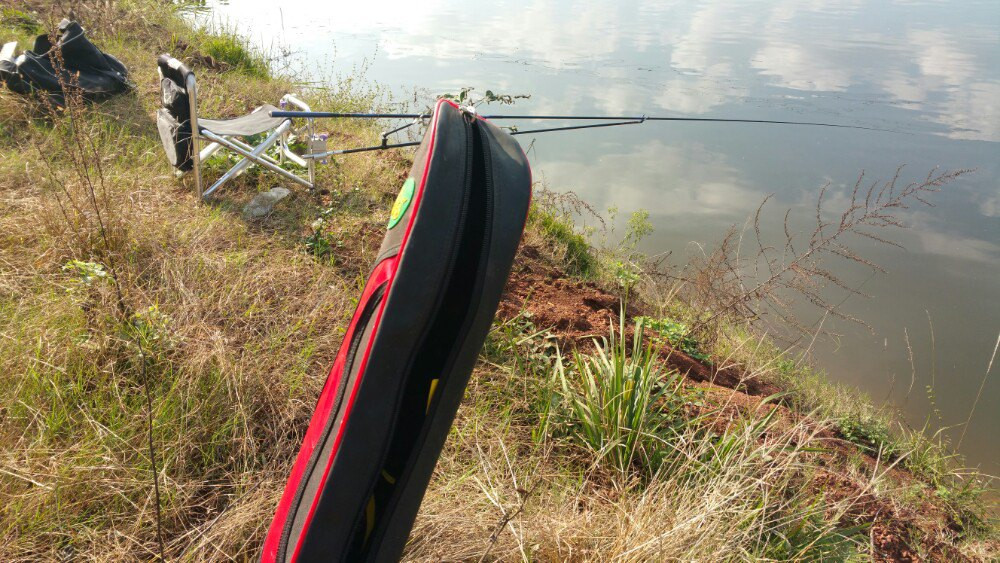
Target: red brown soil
column 579, row 311
column 576, row 312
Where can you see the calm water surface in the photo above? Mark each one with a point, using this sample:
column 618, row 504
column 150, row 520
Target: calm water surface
column 929, row 70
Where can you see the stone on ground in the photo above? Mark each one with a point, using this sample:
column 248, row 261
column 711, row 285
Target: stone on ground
column 263, row 203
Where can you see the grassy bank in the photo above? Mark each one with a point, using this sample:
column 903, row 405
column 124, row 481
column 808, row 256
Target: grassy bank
column 122, row 300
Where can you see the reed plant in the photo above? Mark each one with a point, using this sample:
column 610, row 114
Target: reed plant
column 619, row 400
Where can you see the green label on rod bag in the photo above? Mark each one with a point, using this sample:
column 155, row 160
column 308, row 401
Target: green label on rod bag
column 402, row 202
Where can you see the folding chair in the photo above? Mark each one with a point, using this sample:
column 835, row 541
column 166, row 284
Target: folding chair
column 178, row 118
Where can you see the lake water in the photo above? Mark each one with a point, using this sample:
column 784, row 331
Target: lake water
column 928, row 70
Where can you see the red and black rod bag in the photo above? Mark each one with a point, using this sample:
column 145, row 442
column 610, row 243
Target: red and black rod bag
column 390, row 399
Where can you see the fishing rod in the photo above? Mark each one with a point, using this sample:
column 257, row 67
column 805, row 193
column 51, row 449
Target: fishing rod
column 623, row 118
column 386, row 145
column 613, row 122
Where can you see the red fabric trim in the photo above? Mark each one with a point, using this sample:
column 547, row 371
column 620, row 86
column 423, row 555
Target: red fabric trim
column 384, row 271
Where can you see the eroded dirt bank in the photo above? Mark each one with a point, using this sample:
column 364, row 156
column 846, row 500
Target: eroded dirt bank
column 577, row 312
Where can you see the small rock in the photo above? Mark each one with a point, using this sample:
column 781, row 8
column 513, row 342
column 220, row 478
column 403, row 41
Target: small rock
column 263, row 203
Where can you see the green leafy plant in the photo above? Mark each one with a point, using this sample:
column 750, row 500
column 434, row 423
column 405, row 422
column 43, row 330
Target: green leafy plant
column 150, row 327
column 814, row 538
column 627, row 274
column 618, row 400
column 678, row 335
column 85, row 274
column 321, row 243
column 639, row 227
column 626, row 262
column 869, row 433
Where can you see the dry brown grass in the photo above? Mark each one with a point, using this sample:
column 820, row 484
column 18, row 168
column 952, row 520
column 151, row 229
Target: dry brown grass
column 239, row 323
column 750, row 278
column 526, row 500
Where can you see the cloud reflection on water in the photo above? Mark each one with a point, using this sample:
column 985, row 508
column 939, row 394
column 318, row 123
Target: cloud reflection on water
column 921, row 65
column 669, row 180
column 700, row 57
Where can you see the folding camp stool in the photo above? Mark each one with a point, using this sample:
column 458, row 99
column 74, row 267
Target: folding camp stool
column 178, row 117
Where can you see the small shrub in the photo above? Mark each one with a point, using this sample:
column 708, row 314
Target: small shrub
column 518, row 341
column 321, row 243
column 150, row 328
column 627, row 274
column 869, row 433
column 639, row 227
column 627, row 265
column 85, row 274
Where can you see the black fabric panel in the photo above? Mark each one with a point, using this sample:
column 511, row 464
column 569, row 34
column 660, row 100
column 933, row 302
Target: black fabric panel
column 352, row 369
column 174, row 99
column 510, row 178
column 37, row 71
column 10, row 76
column 176, row 139
column 412, row 299
column 438, row 310
column 434, row 359
column 173, row 120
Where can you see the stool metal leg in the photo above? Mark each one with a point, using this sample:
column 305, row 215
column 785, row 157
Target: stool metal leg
column 192, row 91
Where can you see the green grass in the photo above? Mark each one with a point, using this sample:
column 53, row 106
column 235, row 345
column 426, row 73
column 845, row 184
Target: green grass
column 235, row 54
column 20, row 20
column 579, row 258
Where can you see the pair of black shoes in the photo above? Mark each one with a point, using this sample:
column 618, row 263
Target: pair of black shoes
column 80, row 64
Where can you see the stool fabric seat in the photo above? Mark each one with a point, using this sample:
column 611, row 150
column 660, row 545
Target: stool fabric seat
column 254, row 123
